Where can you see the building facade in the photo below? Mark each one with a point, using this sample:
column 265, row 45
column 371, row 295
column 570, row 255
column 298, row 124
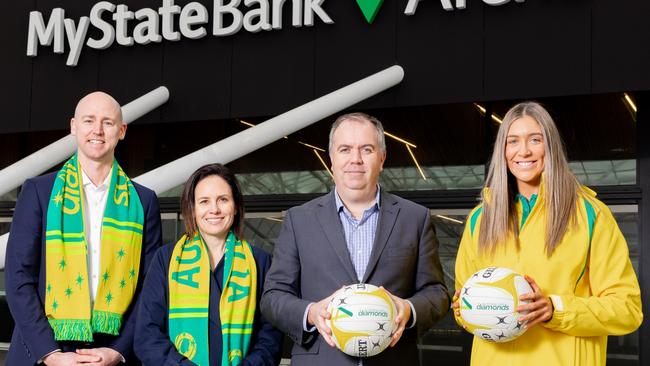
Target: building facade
column 229, row 65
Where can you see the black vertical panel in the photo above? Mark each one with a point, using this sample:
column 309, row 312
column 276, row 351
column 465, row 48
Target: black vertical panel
column 56, row 87
column 621, row 45
column 442, row 54
column 198, row 75
column 129, row 72
column 351, row 49
column 537, row 48
column 643, row 174
column 272, row 71
column 16, row 67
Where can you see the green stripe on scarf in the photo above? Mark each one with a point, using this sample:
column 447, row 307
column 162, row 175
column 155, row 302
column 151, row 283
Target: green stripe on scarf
column 67, row 296
column 189, row 289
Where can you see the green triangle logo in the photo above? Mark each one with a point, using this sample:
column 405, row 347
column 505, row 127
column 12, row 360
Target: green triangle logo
column 370, row 8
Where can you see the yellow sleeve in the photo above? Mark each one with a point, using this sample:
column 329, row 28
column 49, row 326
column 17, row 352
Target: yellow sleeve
column 465, row 259
column 614, row 307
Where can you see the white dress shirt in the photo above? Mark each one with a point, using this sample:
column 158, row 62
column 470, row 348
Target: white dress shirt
column 94, row 205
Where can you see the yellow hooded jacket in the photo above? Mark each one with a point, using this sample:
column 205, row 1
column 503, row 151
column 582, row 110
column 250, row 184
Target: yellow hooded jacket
column 589, row 278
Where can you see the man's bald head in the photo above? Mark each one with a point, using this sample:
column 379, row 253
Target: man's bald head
column 95, row 99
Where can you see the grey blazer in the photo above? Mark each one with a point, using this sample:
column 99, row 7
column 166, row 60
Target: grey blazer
column 311, row 261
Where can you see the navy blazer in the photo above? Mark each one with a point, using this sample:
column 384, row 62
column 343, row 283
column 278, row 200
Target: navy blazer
column 33, row 337
column 153, row 346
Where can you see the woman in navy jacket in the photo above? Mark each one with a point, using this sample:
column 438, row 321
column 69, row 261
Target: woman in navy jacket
column 212, row 205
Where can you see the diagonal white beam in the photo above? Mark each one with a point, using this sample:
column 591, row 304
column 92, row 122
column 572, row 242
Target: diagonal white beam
column 176, row 172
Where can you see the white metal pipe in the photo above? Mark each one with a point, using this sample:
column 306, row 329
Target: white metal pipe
column 14, row 175
column 176, row 172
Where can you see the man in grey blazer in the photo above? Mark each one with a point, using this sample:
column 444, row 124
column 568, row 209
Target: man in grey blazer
column 356, row 233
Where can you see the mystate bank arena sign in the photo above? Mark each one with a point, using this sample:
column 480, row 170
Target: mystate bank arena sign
column 154, row 25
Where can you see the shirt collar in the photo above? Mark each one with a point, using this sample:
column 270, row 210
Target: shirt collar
column 340, row 205
column 86, row 180
column 530, row 202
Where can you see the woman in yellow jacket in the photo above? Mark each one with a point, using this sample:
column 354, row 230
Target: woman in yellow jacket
column 536, row 219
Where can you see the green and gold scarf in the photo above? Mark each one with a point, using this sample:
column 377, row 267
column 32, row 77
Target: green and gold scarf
column 189, row 293
column 67, row 293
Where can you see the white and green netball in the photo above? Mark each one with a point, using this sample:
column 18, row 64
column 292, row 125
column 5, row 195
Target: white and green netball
column 488, row 301
column 363, row 319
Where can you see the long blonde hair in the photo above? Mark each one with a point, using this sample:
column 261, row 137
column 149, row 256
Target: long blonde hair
column 499, row 217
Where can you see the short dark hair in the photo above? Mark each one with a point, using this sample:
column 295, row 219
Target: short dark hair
column 187, row 198
column 359, row 117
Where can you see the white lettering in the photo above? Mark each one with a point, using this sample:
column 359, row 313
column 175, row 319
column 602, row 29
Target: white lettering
column 167, row 11
column 314, row 7
column 39, row 34
column 296, row 14
column 147, row 30
column 412, row 5
column 121, row 17
column 219, row 10
column 262, row 13
column 76, row 38
column 496, row 2
column 97, row 21
column 154, row 25
column 193, row 13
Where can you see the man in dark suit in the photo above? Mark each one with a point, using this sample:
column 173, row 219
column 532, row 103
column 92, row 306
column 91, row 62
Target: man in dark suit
column 356, row 233
column 97, row 126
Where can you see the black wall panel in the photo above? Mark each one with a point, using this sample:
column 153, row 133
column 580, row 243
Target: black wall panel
column 621, row 45
column 16, row 69
column 273, row 71
column 197, row 73
column 532, row 49
column 56, row 88
column 130, row 72
column 442, row 53
column 351, row 49
column 537, row 48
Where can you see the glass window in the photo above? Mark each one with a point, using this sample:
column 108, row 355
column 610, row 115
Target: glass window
column 624, row 350
column 605, row 172
column 446, row 340
column 172, row 227
column 10, row 196
column 262, row 229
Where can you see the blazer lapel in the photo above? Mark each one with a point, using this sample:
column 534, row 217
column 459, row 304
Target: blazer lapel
column 388, row 211
column 329, row 220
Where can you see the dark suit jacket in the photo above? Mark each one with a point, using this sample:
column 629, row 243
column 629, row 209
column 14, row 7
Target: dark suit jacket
column 311, row 261
column 154, row 347
column 25, row 276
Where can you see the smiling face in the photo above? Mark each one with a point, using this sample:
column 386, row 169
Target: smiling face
column 357, row 159
column 525, row 153
column 97, row 126
column 214, row 207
